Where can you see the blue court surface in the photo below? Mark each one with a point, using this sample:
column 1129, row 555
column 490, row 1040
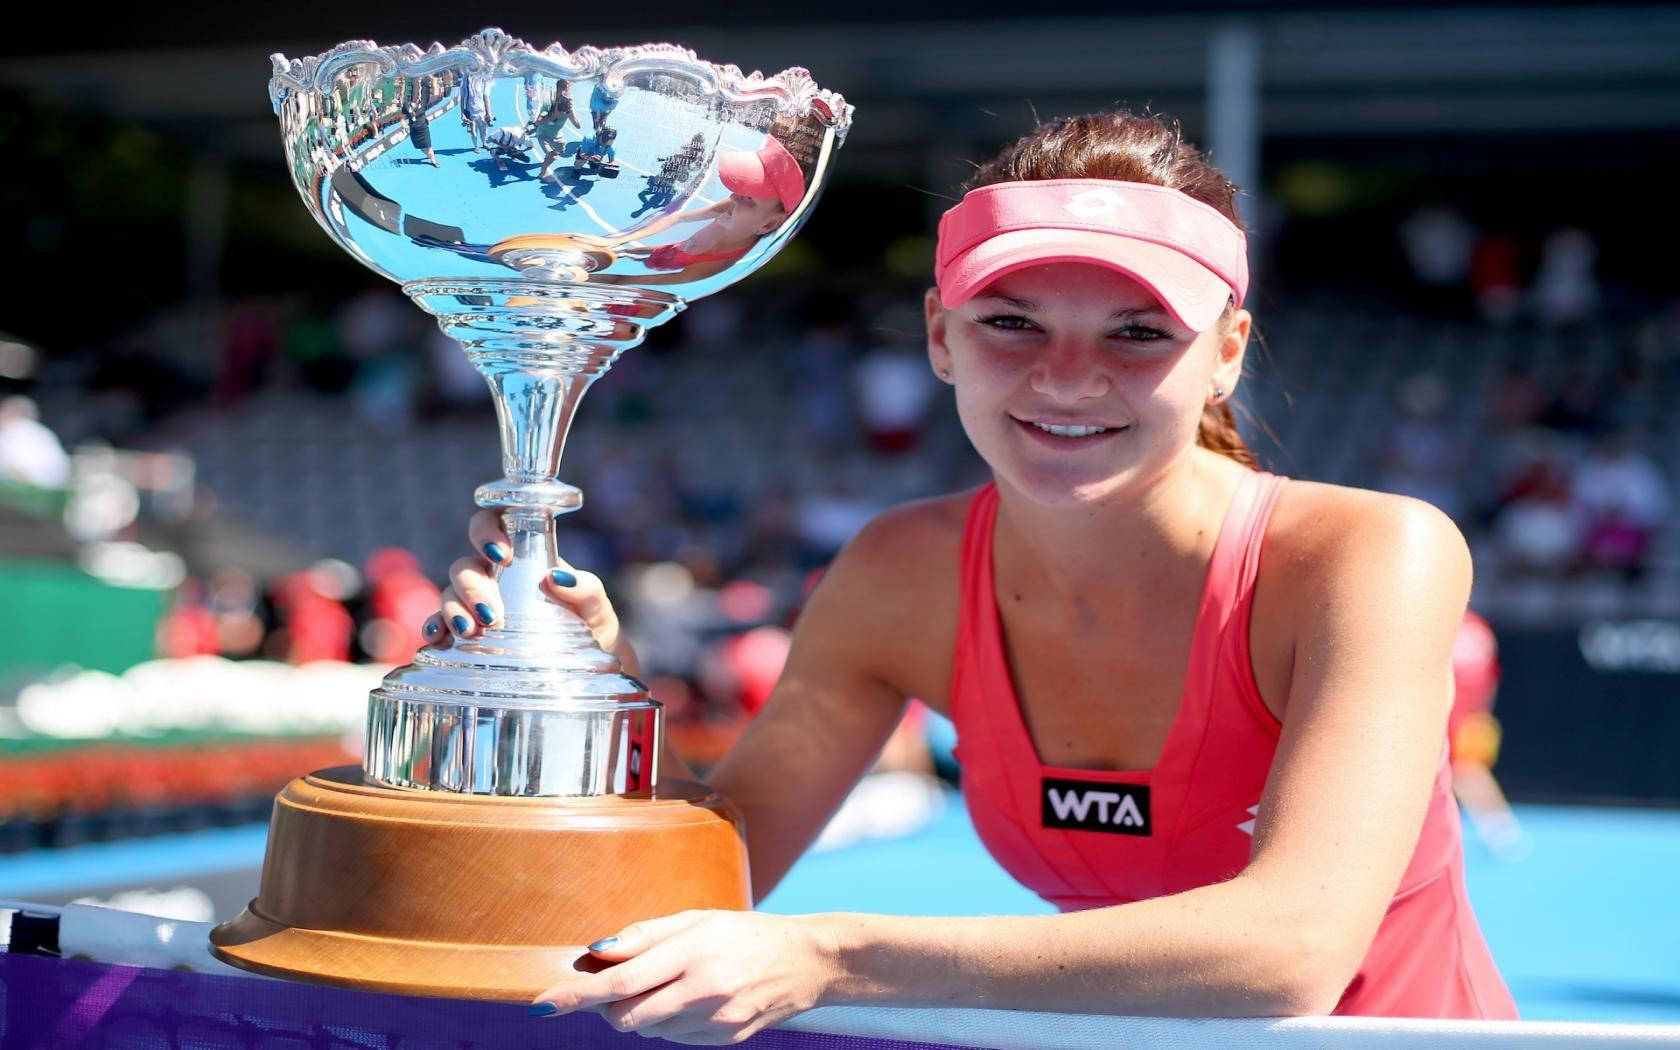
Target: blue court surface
column 1585, row 928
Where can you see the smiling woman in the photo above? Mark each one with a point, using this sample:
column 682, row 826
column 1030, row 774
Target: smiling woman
column 1180, row 713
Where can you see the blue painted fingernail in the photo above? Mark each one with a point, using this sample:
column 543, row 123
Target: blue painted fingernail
column 461, row 624
column 485, row 615
column 562, row 578
column 544, row 1009
column 603, row 944
column 431, row 629
column 493, row 551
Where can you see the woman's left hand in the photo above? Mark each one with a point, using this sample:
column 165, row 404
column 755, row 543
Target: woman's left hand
column 709, row 977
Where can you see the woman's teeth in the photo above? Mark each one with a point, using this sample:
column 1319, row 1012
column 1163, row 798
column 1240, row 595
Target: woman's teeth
column 1071, row 431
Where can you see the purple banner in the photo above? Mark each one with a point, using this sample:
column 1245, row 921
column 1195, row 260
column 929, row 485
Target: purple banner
column 59, row 1004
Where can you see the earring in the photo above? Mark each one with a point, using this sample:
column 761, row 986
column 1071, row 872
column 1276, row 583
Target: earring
column 1218, row 394
column 945, row 373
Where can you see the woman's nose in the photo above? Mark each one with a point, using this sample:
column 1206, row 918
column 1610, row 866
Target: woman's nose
column 1069, row 370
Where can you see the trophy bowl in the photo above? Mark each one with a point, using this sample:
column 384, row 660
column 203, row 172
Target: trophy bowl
column 548, row 207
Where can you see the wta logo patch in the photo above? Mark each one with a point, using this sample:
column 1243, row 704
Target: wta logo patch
column 1081, row 805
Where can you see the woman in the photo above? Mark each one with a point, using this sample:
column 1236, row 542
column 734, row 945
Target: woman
column 1199, row 707
column 419, row 123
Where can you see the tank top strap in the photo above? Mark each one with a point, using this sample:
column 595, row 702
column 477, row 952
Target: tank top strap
column 1223, row 659
column 979, row 646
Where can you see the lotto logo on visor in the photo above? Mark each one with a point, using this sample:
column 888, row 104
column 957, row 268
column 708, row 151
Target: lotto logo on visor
column 1083, row 805
column 1092, row 203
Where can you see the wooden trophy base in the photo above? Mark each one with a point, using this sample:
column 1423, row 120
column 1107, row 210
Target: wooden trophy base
column 472, row 896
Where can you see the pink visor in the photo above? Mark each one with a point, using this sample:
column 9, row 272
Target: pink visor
column 769, row 173
column 1191, row 257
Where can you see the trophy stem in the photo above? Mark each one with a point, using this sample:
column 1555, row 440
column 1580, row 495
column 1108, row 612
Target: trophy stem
column 540, row 344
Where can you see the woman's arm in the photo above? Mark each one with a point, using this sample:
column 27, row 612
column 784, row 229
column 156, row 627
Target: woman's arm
column 1377, row 591
column 839, row 696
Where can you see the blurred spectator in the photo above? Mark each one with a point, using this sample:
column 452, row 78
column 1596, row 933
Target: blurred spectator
column 1496, row 277
column 314, row 624
column 456, row 384
column 232, row 599
column 1580, row 404
column 189, row 627
column 1566, row 288
column 1535, row 527
column 310, row 344
column 249, row 345
column 1421, row 458
column 894, row 385
column 373, row 323
column 829, row 517
column 399, row 600
column 1437, row 240
column 821, row 362
column 373, row 328
column 1473, row 736
column 29, row 452
column 1621, row 497
column 1519, row 398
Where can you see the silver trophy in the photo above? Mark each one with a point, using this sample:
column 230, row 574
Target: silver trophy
column 548, row 207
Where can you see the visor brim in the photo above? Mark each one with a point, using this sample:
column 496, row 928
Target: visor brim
column 1192, row 293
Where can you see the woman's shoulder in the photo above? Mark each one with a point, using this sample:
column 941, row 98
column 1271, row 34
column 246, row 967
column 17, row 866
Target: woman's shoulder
column 1342, row 563
column 905, row 541
column 892, row 596
column 1321, row 533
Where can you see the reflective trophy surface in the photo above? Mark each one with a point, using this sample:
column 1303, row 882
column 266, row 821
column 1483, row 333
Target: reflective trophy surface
column 548, row 207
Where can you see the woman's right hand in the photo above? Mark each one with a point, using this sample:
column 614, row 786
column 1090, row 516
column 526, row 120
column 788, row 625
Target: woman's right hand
column 472, row 601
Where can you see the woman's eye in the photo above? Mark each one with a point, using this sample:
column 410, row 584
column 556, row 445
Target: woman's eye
column 1007, row 322
column 1138, row 333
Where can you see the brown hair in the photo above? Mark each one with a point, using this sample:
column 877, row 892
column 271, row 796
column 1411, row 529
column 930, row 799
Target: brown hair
column 1128, row 148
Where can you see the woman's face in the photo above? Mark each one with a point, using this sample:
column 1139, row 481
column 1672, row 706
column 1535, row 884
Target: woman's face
column 1074, row 383
column 749, row 217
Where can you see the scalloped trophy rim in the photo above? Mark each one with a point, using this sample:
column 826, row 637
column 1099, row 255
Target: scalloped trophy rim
column 492, row 50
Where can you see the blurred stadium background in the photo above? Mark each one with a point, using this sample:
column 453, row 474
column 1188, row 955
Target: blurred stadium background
column 233, row 465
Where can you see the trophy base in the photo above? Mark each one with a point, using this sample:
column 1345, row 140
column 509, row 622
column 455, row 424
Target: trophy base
column 472, row 896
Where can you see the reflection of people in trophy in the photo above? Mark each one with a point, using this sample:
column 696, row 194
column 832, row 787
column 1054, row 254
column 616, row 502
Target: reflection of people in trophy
column 765, row 186
column 596, row 155
column 601, row 104
column 533, row 94
column 549, row 129
column 419, row 125
column 674, row 170
column 475, row 109
column 509, row 142
column 1261, row 822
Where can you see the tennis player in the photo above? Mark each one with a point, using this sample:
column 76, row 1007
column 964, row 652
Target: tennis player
column 1201, row 708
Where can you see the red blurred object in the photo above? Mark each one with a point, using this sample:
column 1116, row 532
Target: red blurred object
column 387, row 562
column 188, row 630
column 757, row 658
column 317, row 627
column 745, row 601
column 403, row 599
column 99, row 776
column 1475, row 668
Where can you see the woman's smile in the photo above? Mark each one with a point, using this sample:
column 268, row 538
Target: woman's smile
column 1055, row 434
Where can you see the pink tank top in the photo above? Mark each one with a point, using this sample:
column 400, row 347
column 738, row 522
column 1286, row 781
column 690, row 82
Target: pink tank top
column 1084, row 838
